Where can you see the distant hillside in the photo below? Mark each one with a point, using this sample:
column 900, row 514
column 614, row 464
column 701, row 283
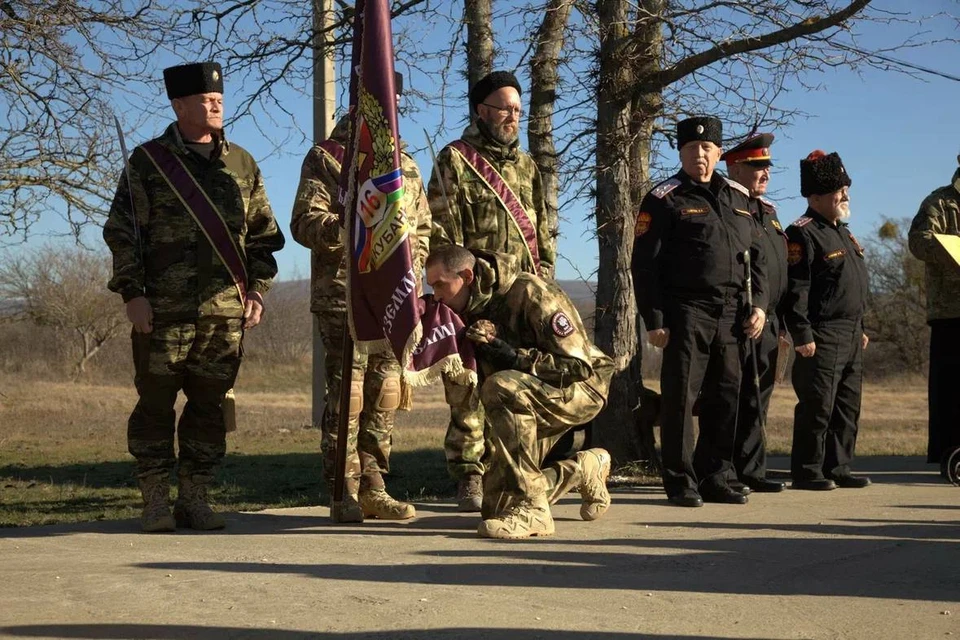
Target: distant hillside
column 582, row 293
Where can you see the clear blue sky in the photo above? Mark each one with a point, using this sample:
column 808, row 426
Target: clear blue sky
column 898, row 137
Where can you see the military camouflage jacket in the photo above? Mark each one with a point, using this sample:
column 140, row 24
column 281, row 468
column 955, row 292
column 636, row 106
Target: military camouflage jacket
column 939, row 213
column 316, row 216
column 179, row 272
column 472, row 216
column 536, row 317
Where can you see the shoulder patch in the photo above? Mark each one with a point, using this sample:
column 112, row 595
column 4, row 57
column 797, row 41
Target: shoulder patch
column 801, row 221
column 769, row 203
column 743, row 212
column 561, row 325
column 739, row 187
column 794, row 253
column 664, row 188
column 643, row 224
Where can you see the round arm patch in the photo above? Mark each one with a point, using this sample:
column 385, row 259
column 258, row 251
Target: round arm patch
column 561, row 325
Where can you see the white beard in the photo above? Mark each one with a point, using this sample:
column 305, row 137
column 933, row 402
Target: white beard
column 843, row 211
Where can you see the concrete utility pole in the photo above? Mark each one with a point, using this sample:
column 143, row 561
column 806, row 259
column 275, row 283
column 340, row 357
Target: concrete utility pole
column 324, row 108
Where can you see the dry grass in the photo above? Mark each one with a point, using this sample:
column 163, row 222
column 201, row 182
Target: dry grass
column 63, row 446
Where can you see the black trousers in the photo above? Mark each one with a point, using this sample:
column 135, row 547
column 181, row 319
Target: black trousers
column 750, row 447
column 829, row 387
column 943, row 393
column 702, row 357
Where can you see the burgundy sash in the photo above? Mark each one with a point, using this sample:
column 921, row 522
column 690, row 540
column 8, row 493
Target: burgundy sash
column 334, row 150
column 492, row 178
column 202, row 210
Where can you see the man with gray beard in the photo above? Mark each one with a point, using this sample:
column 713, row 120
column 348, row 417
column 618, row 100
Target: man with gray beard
column 486, row 194
column 824, row 308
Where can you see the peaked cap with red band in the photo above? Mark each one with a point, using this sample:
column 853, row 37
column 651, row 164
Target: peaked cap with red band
column 754, row 151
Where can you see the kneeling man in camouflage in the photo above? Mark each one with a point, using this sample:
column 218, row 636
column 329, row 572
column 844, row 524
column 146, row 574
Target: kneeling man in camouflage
column 540, row 376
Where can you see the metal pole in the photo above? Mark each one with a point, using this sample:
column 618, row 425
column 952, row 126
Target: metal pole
column 324, row 107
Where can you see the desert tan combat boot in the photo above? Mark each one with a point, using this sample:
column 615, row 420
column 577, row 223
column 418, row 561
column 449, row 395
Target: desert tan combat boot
column 470, row 493
column 377, row 503
column 530, row 518
column 594, row 470
column 191, row 508
column 156, row 516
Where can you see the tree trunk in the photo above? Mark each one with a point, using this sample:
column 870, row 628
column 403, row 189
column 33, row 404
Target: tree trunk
column 478, row 14
column 543, row 95
column 645, row 109
column 615, row 325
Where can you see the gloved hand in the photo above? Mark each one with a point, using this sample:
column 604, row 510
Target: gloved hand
column 482, row 331
column 498, row 353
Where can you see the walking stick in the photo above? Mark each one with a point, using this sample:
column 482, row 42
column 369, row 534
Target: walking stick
column 750, row 343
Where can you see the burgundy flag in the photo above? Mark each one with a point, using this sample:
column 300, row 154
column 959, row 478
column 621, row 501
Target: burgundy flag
column 381, row 283
column 444, row 348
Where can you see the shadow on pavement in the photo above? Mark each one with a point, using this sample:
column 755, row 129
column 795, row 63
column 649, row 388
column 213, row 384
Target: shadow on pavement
column 904, row 566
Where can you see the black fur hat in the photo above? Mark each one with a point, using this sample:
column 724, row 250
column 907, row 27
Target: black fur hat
column 190, row 79
column 822, row 172
column 490, row 83
column 699, row 128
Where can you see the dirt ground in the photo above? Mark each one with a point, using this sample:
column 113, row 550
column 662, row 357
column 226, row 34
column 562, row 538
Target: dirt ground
column 875, row 563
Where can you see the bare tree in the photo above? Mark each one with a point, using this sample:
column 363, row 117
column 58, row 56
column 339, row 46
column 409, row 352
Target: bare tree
column 543, row 95
column 659, row 61
column 62, row 65
column 478, row 16
column 64, row 289
column 896, row 303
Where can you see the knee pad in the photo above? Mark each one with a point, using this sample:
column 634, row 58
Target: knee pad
column 389, row 397
column 356, row 399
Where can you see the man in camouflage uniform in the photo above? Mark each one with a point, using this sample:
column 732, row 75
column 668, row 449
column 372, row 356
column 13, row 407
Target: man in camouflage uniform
column 940, row 214
column 540, row 376
column 749, row 163
column 188, row 313
column 375, row 389
column 467, row 211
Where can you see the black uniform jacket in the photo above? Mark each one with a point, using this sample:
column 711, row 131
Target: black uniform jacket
column 689, row 241
column 828, row 276
column 772, row 244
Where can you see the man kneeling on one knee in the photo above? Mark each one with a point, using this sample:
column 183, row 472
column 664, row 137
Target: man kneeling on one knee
column 540, row 376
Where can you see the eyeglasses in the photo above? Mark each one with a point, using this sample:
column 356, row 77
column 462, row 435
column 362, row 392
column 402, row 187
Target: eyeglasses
column 505, row 111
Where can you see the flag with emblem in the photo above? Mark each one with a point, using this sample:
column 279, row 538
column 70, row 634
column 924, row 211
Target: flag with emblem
column 381, row 282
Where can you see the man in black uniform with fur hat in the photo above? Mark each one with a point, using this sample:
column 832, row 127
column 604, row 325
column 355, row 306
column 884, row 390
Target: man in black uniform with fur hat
column 824, row 309
column 688, row 275
column 749, row 164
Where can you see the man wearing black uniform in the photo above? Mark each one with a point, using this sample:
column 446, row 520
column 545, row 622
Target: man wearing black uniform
column 688, row 275
column 749, row 164
column 824, row 308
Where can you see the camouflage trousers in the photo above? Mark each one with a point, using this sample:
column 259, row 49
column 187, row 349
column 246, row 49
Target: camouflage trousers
column 374, row 399
column 524, row 418
column 200, row 358
column 463, row 444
